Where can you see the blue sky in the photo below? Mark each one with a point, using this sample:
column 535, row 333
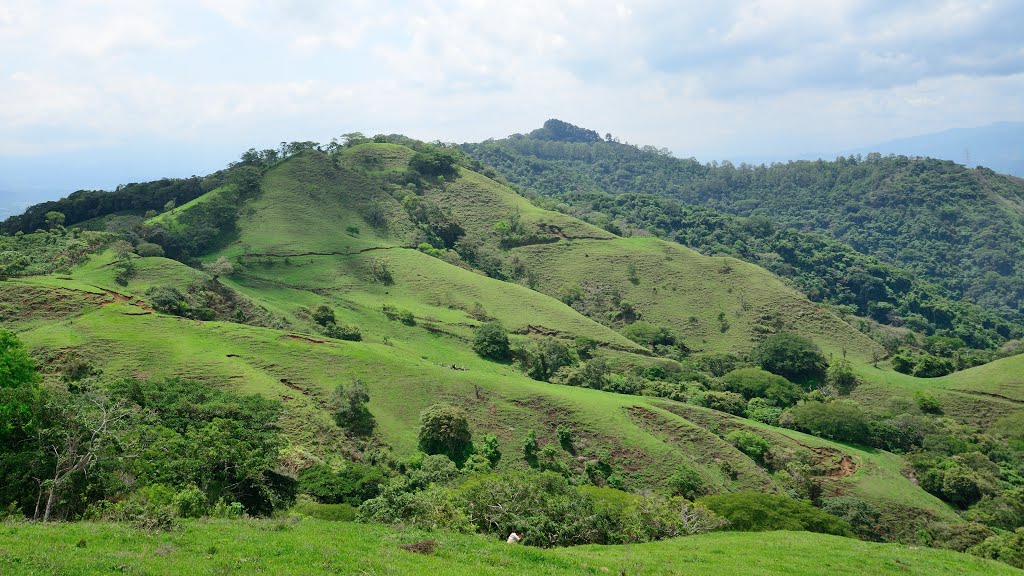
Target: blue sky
column 94, row 93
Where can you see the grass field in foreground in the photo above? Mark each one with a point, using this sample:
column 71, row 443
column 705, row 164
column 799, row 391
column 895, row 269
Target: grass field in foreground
column 318, row 547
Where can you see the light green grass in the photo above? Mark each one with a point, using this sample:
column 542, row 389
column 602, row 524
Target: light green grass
column 321, row 547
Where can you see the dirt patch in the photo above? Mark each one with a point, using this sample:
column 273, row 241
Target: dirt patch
column 422, row 547
column 232, row 356
column 118, row 298
column 294, row 386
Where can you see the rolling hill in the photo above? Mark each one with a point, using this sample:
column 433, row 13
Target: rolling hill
column 418, row 262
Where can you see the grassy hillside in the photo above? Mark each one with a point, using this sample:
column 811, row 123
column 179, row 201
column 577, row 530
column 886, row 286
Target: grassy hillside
column 417, row 264
column 318, row 547
column 956, row 227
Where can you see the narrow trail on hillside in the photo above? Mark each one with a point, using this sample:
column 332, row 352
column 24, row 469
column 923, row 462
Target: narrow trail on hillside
column 301, row 254
column 989, row 395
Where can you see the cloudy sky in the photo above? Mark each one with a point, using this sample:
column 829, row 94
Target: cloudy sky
column 93, row 93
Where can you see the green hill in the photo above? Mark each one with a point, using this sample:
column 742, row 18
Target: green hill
column 959, row 228
column 411, row 249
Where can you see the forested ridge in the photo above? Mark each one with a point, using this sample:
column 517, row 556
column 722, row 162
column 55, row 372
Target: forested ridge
column 962, row 229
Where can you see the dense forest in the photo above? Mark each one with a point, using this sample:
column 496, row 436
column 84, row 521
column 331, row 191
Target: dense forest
column 959, row 228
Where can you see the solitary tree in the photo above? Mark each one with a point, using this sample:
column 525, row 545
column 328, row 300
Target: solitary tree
column 348, row 404
column 445, row 430
column 792, row 356
column 491, row 342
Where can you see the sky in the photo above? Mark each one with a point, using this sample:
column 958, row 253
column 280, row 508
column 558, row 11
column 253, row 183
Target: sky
column 94, row 93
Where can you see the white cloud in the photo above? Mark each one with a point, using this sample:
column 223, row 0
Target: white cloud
column 702, row 78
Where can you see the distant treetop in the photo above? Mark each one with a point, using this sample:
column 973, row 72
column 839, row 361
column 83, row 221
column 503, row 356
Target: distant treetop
column 564, row 132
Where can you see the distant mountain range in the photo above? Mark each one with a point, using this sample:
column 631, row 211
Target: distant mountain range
column 998, row 146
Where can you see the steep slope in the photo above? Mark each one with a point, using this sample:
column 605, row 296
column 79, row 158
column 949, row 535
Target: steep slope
column 352, row 230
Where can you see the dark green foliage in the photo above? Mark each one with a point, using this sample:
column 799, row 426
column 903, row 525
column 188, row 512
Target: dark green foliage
column 149, row 250
column 931, row 217
column 842, row 420
column 348, row 406
column 649, row 334
column 730, row 402
column 434, row 163
column 490, row 450
column 400, row 314
column 927, row 403
column 223, row 443
column 87, row 204
column 438, row 226
column 45, row 252
column 757, row 383
column 792, row 356
column 754, row 512
column 750, row 443
column 564, row 434
column 840, row 376
column 959, row 536
column 17, row 369
column 860, row 515
column 351, row 485
column 564, row 132
column 445, row 430
column 762, row 410
column 530, row 448
column 342, row 331
column 491, row 341
column 687, row 482
column 1008, row 547
column 543, row 357
column 544, row 507
column 323, row 315
column 21, row 414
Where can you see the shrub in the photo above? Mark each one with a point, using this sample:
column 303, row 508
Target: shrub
column 687, row 482
column 761, row 410
column 491, row 342
column 323, row 315
column 927, row 403
column 565, row 437
column 758, row 383
column 352, row 485
column 844, row 421
column 1007, row 548
column 400, row 314
column 490, row 449
column 754, row 512
column 656, row 517
column 840, row 375
column 445, row 430
column 342, row 331
column 190, row 503
column 348, row 405
column 729, row 402
column 149, row 250
column 168, row 300
column 860, row 515
column 543, row 507
column 649, row 334
column 542, row 358
column 792, row 356
column 750, row 443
